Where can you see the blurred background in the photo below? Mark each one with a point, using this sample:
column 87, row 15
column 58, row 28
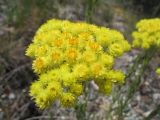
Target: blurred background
column 19, row 20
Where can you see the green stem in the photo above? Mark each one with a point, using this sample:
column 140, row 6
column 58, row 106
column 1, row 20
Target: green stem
column 153, row 113
column 117, row 92
column 136, row 62
column 89, row 10
column 143, row 60
column 80, row 107
column 115, row 96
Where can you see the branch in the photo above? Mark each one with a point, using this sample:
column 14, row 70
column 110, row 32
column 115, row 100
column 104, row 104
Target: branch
column 47, row 117
column 9, row 75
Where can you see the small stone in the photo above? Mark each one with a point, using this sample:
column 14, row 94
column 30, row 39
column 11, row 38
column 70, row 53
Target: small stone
column 3, row 96
column 145, row 90
column 146, row 99
column 156, row 96
column 147, row 113
column 146, row 83
column 1, row 115
column 24, row 90
column 138, row 98
column 11, row 96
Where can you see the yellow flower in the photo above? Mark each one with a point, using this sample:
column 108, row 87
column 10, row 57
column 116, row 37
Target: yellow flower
column 76, row 89
column 115, row 76
column 105, row 86
column 56, row 57
column 68, row 79
column 98, row 69
column 41, row 51
column 145, row 45
column 115, row 50
column 107, row 60
column 31, row 50
column 58, row 43
column 54, row 88
column 158, row 71
column 89, row 56
column 125, row 45
column 73, row 41
column 94, row 46
column 35, row 89
column 39, row 65
column 136, row 43
column 81, row 71
column 67, row 100
column 71, row 54
column 147, row 33
column 85, row 36
column 103, row 36
column 43, row 100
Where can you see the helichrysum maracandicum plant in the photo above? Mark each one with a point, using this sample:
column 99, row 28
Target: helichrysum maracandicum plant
column 66, row 55
column 147, row 34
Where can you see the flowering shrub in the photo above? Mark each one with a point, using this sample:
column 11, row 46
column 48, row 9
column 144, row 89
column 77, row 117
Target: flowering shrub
column 147, row 34
column 66, row 55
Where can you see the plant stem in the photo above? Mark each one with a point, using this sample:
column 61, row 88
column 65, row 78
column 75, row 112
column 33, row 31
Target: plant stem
column 143, row 60
column 116, row 96
column 136, row 62
column 153, row 113
column 89, row 10
column 80, row 108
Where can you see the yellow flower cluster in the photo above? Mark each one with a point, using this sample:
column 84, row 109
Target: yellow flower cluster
column 147, row 34
column 158, row 71
column 66, row 55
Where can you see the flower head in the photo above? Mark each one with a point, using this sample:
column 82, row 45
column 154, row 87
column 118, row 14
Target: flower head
column 147, row 34
column 66, row 55
column 158, row 71
column 67, row 99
